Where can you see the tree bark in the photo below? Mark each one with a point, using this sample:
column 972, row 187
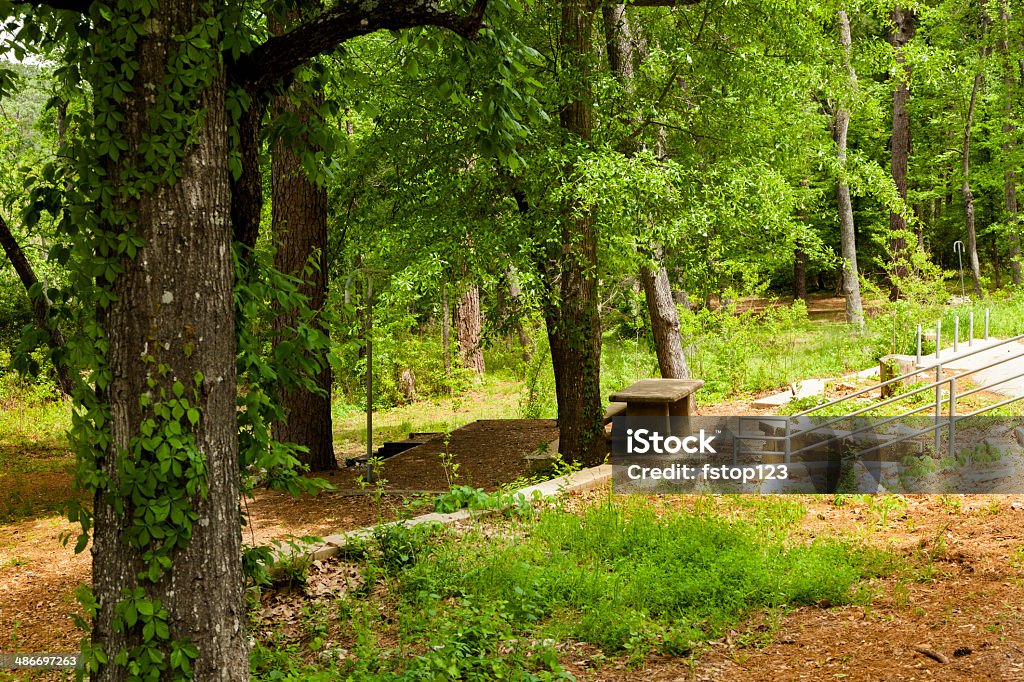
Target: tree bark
column 903, row 32
column 850, row 279
column 972, row 235
column 40, row 307
column 622, row 57
column 469, row 329
column 299, row 224
column 664, row 323
column 571, row 311
column 799, row 274
column 174, row 309
column 172, row 319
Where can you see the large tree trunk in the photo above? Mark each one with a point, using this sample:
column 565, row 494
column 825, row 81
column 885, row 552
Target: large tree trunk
column 850, row 280
column 171, row 320
column 299, row 224
column 903, row 32
column 571, row 311
column 1010, row 84
column 469, row 329
column 622, row 55
column 972, row 235
column 40, row 307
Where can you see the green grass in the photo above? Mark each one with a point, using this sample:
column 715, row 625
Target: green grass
column 626, row 578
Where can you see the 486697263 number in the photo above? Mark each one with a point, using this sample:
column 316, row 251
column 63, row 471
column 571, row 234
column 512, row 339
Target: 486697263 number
column 39, row 661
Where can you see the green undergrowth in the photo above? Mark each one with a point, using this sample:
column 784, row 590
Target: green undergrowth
column 510, row 598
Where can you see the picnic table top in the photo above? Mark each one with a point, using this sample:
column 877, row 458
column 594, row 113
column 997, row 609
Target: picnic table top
column 657, row 391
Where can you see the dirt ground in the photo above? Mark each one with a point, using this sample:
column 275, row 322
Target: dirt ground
column 959, row 615
column 821, row 306
column 38, row 575
column 970, row 613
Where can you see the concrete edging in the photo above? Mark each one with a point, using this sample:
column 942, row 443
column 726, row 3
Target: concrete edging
column 330, row 545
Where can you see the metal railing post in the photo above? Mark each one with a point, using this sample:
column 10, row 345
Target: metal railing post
column 938, row 338
column 918, row 345
column 952, row 416
column 789, row 444
column 938, row 408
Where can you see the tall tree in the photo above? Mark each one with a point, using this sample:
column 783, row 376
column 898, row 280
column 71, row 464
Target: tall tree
column 158, row 436
column 850, row 284
column 902, row 32
column 1010, row 85
column 623, row 55
column 299, row 227
column 972, row 233
column 571, row 309
column 469, row 329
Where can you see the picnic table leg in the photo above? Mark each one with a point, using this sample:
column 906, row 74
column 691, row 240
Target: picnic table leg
column 683, row 407
column 651, row 410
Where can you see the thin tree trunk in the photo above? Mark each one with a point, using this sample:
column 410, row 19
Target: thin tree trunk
column 799, row 274
column 972, row 235
column 903, row 19
column 622, row 55
column 571, row 311
column 515, row 295
column 997, row 265
column 850, row 279
column 40, row 307
column 1010, row 83
column 173, row 310
column 469, row 329
column 299, row 225
column 446, row 332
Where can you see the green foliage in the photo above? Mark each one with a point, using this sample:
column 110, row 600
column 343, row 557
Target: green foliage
column 268, row 370
column 401, row 546
column 466, row 497
column 630, row 579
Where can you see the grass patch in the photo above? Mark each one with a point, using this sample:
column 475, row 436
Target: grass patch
column 625, row 578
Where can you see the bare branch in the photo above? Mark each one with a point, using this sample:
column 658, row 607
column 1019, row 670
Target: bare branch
column 279, row 55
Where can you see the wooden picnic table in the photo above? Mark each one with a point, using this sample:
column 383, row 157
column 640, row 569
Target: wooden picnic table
column 659, row 397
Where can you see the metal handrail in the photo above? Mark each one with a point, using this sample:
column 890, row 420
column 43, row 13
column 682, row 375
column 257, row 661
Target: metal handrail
column 960, row 356
column 934, row 385
column 922, row 389
column 950, row 421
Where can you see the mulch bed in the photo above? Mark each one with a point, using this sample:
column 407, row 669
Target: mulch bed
column 485, row 454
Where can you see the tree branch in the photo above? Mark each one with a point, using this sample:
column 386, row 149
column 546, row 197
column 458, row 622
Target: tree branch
column 40, row 304
column 279, row 55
